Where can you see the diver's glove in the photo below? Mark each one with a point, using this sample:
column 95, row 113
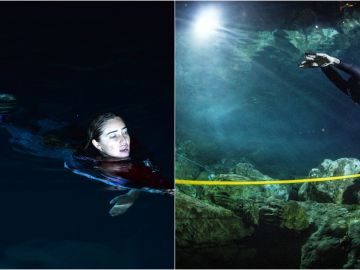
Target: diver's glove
column 123, row 202
column 318, row 60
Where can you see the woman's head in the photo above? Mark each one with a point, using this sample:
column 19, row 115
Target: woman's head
column 108, row 134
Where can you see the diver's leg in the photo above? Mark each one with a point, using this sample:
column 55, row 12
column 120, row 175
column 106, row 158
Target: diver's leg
column 336, row 79
column 350, row 69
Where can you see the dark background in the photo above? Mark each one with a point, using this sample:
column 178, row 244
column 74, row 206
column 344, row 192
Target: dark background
column 66, row 61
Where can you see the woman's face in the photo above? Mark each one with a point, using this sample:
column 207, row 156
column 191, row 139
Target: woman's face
column 114, row 140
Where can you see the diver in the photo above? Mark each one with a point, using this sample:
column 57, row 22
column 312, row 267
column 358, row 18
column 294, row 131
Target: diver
column 350, row 86
column 106, row 157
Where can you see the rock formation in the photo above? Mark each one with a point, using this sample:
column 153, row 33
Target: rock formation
column 257, row 226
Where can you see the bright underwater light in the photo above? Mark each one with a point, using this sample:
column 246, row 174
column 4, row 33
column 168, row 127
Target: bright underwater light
column 207, row 23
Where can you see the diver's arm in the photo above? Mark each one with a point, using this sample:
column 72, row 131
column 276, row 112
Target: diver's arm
column 349, row 69
column 336, row 79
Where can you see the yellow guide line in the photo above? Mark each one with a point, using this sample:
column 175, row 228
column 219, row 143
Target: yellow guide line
column 262, row 182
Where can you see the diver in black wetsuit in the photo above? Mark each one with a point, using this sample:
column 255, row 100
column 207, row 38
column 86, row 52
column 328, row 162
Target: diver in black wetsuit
column 350, row 87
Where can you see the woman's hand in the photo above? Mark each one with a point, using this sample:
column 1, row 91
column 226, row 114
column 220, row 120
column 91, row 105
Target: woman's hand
column 318, row 60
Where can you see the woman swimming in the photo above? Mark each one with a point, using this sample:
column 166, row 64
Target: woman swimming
column 106, row 157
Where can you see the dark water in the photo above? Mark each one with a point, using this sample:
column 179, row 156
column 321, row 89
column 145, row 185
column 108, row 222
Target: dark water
column 65, row 62
column 241, row 95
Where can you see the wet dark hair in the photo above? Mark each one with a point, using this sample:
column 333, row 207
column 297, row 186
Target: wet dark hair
column 95, row 127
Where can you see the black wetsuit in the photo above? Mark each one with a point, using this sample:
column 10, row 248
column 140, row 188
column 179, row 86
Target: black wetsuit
column 351, row 86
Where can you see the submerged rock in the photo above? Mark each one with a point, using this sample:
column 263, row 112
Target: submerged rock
column 185, row 169
column 215, row 221
column 309, row 40
column 354, row 235
column 335, row 243
column 350, row 24
column 294, row 217
column 199, row 223
column 281, row 215
column 230, row 196
column 208, row 235
column 340, row 191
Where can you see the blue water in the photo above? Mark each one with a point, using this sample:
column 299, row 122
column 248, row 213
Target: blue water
column 241, row 95
column 65, row 62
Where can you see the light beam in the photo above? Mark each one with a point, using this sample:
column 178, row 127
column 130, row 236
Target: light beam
column 207, row 23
